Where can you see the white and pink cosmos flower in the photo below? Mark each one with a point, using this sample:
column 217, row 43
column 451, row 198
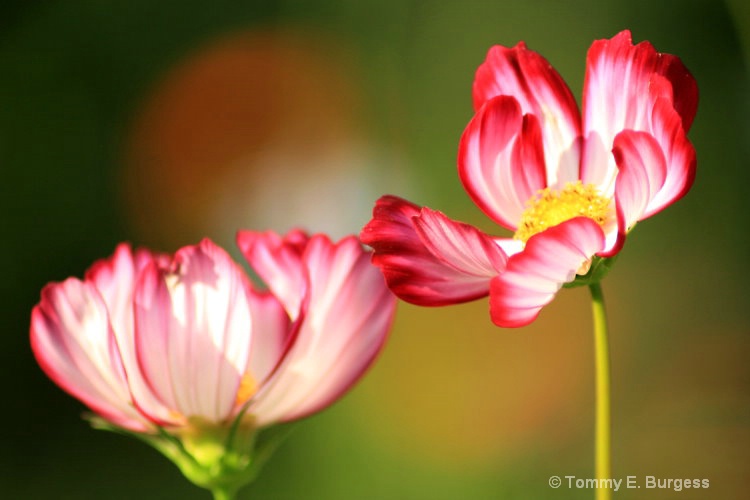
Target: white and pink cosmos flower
column 147, row 340
column 569, row 184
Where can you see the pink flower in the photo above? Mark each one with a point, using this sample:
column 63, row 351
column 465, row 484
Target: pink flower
column 570, row 185
column 82, row 335
column 146, row 340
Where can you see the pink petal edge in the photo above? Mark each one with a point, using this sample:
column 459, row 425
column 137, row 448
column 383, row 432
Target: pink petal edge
column 540, row 91
column 622, row 85
column 501, row 160
column 533, row 276
column 350, row 313
column 193, row 331
column 424, row 266
column 73, row 342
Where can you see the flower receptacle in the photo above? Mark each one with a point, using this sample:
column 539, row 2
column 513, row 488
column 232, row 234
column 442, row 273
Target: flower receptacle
column 600, row 267
column 219, row 458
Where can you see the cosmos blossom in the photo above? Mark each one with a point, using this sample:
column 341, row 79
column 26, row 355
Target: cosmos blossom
column 570, row 184
column 182, row 342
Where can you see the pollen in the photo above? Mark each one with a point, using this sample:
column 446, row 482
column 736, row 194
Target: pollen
column 248, row 388
column 176, row 416
column 549, row 208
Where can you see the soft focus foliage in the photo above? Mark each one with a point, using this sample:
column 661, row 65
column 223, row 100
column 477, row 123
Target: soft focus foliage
column 146, row 121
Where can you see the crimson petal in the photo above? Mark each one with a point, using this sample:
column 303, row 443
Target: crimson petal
column 428, row 259
column 540, row 91
column 533, row 277
column 501, row 160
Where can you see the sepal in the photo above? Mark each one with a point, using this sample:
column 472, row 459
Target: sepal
column 600, row 267
column 221, row 459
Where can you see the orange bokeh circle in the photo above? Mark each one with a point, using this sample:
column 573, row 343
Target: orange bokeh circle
column 251, row 115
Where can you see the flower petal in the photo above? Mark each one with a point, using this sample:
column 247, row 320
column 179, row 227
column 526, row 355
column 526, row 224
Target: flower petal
column 622, row 84
column 501, row 160
column 278, row 262
column 428, row 259
column 540, row 91
column 642, row 171
column 193, row 331
column 349, row 314
column 272, row 333
column 510, row 246
column 458, row 245
column 679, row 155
column 533, row 277
column 74, row 344
column 115, row 279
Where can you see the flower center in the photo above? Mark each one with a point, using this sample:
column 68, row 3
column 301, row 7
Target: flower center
column 549, row 208
column 248, row 387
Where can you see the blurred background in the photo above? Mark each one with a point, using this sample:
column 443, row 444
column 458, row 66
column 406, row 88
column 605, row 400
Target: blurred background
column 163, row 122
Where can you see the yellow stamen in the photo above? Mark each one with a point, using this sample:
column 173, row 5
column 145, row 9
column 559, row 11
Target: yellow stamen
column 248, row 387
column 549, row 208
column 175, row 415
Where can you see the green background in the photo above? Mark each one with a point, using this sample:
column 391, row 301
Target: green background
column 454, row 408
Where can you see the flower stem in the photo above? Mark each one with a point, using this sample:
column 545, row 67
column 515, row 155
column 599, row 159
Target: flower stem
column 603, row 425
column 223, row 494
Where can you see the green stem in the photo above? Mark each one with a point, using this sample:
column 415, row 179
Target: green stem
column 603, row 425
column 223, row 494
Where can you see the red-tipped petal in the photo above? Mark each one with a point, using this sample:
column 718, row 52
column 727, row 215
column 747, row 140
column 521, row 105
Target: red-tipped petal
column 277, row 260
column 540, row 91
column 428, row 259
column 460, row 246
column 679, row 155
column 642, row 171
column 193, row 331
column 533, row 277
column 349, row 313
column 115, row 279
column 501, row 160
column 272, row 333
column 622, row 85
column 74, row 344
